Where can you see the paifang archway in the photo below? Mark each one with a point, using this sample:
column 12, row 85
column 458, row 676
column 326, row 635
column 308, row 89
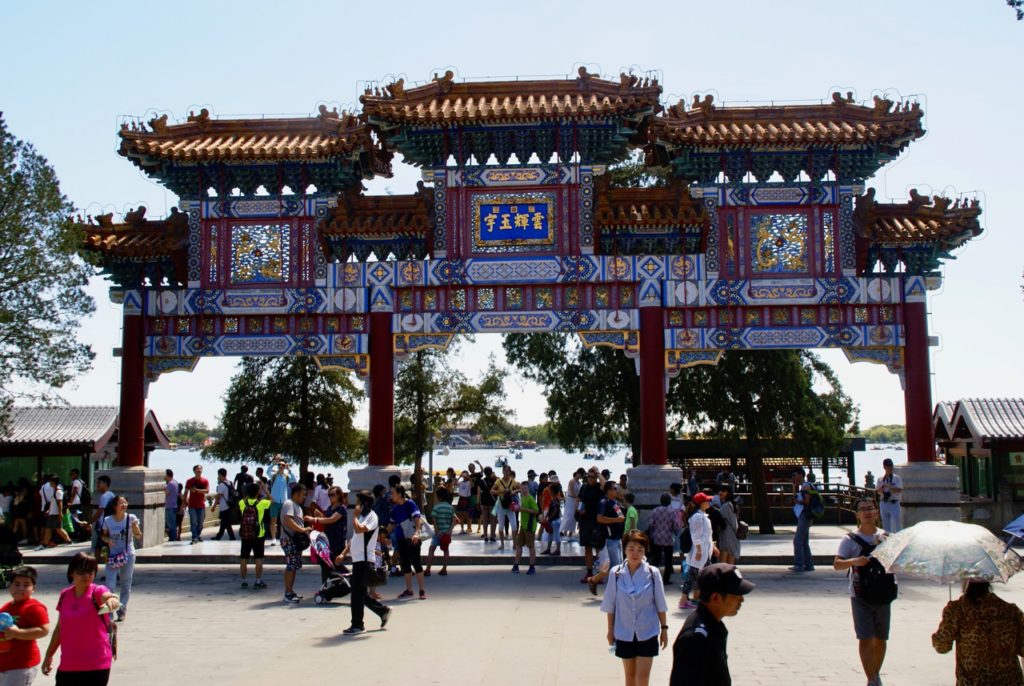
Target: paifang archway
column 763, row 238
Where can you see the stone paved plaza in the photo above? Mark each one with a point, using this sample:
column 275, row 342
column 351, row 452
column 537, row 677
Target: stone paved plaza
column 484, row 625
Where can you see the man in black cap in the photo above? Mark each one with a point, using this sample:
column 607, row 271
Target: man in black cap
column 698, row 655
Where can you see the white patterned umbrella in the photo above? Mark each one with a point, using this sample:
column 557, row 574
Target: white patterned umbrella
column 946, row 552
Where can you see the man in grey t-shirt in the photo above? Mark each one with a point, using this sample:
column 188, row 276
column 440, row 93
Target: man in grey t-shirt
column 870, row 620
column 292, row 524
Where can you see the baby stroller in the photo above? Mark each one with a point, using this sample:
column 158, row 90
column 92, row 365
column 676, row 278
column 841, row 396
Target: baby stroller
column 337, row 584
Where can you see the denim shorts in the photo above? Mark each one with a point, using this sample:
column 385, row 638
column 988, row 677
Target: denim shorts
column 870, row 620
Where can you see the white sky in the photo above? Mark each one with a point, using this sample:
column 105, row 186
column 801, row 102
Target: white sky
column 72, row 69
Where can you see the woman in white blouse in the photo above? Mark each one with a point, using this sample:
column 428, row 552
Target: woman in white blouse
column 703, row 549
column 634, row 600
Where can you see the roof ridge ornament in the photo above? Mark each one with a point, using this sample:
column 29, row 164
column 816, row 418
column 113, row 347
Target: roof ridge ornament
column 136, row 218
column 445, row 83
column 159, row 124
column 396, row 90
column 707, row 105
column 585, row 77
column 883, row 105
column 328, row 114
column 202, row 119
column 839, row 101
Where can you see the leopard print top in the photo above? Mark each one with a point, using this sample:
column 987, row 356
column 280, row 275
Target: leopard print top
column 989, row 638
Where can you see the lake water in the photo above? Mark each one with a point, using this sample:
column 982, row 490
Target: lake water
column 182, row 460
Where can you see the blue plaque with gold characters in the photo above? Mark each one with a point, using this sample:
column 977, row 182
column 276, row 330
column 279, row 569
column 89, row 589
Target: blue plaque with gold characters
column 504, row 221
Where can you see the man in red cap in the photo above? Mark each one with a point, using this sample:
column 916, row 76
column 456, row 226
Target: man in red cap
column 698, row 654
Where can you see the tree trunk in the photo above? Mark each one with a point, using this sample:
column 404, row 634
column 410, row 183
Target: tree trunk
column 755, row 469
column 631, row 386
column 305, row 423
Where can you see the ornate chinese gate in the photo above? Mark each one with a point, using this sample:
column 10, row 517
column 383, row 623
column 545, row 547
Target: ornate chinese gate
column 763, row 238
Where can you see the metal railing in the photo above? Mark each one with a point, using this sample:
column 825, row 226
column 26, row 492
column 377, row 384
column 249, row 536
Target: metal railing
column 840, row 502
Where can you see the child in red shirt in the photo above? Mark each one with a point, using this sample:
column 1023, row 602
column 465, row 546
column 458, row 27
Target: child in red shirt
column 19, row 654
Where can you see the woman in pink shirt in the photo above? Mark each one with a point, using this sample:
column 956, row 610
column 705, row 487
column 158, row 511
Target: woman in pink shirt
column 82, row 632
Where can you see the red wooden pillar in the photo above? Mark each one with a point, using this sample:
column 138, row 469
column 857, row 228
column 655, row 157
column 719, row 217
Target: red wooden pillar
column 131, row 425
column 382, row 391
column 917, row 393
column 653, row 436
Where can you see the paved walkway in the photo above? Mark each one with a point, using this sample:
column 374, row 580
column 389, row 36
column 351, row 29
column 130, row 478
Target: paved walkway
column 485, row 626
column 776, row 549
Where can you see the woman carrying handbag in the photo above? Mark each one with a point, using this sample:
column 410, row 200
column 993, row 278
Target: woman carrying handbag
column 121, row 544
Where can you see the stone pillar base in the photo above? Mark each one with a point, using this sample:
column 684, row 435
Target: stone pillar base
column 647, row 482
column 366, row 478
column 144, row 489
column 931, row 491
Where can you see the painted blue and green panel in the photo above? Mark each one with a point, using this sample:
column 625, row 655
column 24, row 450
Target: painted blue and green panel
column 260, row 253
column 778, row 244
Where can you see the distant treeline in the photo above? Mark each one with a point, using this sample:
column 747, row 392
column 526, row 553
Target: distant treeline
column 886, row 433
column 192, row 432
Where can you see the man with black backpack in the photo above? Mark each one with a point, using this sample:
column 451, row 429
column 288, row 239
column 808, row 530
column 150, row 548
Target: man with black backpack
column 872, row 590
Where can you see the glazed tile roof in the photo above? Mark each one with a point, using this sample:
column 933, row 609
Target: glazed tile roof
column 384, row 224
column 357, row 214
column 942, row 419
column 204, row 139
column 838, row 124
column 444, row 100
column 646, row 207
column 920, row 220
column 138, row 237
column 992, row 418
column 60, row 424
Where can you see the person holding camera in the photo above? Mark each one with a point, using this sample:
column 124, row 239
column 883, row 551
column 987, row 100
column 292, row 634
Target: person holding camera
column 504, row 491
column 281, row 481
column 890, row 489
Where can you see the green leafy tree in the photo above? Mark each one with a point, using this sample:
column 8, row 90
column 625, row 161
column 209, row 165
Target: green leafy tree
column 761, row 395
column 42, row 279
column 430, row 395
column 593, row 394
column 289, row 406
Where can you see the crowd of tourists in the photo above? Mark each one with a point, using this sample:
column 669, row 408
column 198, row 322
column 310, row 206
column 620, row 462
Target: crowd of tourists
column 381, row 534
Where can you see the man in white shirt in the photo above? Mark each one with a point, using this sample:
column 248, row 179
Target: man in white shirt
column 53, row 511
column 75, row 498
column 224, row 505
column 362, row 547
column 890, row 492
